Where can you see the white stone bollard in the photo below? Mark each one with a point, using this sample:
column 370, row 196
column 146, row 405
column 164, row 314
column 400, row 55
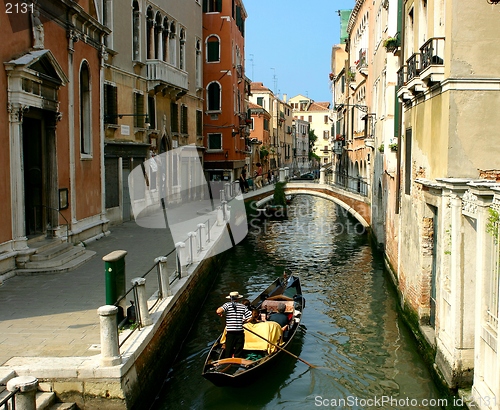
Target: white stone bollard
column 192, row 244
column 110, row 351
column 25, row 398
column 220, row 216
column 180, row 250
column 142, row 302
column 322, row 175
column 282, row 175
column 164, row 277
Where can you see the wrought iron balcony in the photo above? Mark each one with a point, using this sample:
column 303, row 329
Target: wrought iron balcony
column 161, row 73
column 401, row 77
column 362, row 63
column 432, row 62
column 413, row 66
column 401, row 89
column 413, row 82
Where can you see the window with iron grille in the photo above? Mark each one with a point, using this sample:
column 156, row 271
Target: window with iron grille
column 139, row 110
column 174, row 114
column 199, row 123
column 110, row 104
column 152, row 112
column 184, row 119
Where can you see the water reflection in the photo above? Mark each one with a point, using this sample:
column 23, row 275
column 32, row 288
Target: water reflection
column 351, row 327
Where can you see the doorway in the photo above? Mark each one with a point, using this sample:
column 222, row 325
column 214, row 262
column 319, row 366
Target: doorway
column 33, row 161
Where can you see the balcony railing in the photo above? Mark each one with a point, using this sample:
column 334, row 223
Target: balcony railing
column 432, row 52
column 362, row 61
column 401, row 77
column 160, row 71
column 413, row 66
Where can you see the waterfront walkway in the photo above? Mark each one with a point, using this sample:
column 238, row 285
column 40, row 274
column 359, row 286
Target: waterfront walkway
column 56, row 315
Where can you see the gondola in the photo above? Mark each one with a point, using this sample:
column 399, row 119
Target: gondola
column 258, row 356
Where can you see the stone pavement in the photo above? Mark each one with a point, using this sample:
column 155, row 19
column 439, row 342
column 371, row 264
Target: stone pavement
column 56, row 314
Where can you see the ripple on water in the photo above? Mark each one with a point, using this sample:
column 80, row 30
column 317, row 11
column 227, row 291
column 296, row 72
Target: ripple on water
column 351, row 329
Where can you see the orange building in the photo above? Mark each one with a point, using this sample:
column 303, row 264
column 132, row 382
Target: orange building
column 50, row 126
column 226, row 122
column 259, row 131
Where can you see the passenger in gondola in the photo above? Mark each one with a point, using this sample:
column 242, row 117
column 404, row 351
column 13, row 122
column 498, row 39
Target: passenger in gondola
column 236, row 314
column 280, row 317
column 255, row 317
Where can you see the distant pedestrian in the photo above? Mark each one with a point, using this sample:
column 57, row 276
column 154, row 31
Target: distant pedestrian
column 258, row 175
column 269, row 177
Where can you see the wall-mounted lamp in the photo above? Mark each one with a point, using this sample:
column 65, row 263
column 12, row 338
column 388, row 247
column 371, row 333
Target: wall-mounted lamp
column 493, row 1
column 234, row 133
column 227, row 154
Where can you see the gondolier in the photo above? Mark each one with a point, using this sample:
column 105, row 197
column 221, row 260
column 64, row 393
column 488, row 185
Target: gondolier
column 236, row 315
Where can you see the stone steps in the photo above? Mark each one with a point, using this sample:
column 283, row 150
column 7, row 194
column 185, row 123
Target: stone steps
column 46, row 255
column 44, row 400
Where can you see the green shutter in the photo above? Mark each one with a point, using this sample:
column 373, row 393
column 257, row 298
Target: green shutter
column 205, row 6
column 219, row 6
column 213, row 51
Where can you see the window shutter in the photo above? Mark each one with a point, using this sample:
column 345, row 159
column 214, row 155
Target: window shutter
column 219, row 6
column 205, row 6
column 213, row 50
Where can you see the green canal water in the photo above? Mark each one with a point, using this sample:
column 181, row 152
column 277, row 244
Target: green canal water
column 351, row 329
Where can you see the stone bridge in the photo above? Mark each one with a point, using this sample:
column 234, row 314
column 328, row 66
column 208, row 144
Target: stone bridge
column 357, row 205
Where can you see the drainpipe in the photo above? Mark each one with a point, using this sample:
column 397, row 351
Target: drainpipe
column 398, row 108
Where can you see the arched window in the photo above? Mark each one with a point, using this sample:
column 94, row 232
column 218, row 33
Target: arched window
column 150, row 35
column 158, row 36
column 214, row 96
column 165, row 39
column 182, row 50
column 199, row 67
column 85, row 114
column 136, row 32
column 213, row 49
column 172, row 45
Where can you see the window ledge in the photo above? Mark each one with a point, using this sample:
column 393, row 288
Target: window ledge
column 86, row 157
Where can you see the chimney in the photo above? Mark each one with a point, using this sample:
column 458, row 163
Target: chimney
column 284, row 97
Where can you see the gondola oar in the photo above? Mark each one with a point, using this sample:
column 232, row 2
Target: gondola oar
column 279, row 347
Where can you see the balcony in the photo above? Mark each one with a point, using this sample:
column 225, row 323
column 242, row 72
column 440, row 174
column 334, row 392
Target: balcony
column 432, row 63
column 362, row 63
column 160, row 73
column 402, row 90
column 413, row 83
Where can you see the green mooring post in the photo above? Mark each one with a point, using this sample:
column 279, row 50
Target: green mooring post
column 114, row 271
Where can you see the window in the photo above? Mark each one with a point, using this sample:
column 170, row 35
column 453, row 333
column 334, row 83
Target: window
column 138, row 110
column 214, row 97
column 136, row 33
column 199, row 123
column 85, row 107
column 110, row 104
column 326, row 135
column 174, row 112
column 213, row 49
column 260, row 101
column 184, row 119
column 199, row 68
column 151, row 112
column 212, row 6
column 150, row 43
column 266, row 124
column 215, row 142
column 310, row 118
column 251, row 124
column 182, row 50
column 326, row 119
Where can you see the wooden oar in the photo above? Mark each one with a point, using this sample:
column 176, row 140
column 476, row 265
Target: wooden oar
column 279, row 347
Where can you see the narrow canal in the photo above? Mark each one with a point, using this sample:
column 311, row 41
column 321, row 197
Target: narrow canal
column 351, row 329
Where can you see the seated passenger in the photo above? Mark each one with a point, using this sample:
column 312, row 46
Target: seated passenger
column 255, row 317
column 280, row 317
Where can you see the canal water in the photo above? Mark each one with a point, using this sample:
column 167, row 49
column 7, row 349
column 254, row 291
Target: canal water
column 350, row 329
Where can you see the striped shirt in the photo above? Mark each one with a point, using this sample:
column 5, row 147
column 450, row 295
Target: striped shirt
column 236, row 313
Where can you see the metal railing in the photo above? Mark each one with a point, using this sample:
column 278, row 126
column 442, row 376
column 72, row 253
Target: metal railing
column 357, row 185
column 52, row 209
column 9, row 401
column 413, row 66
column 432, row 52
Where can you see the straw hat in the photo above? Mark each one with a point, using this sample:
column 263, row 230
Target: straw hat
column 234, row 295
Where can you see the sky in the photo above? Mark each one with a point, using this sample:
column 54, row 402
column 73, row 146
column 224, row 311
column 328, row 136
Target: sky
column 288, row 44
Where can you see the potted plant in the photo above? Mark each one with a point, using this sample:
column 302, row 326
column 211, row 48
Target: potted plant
column 393, row 147
column 263, row 152
column 381, row 148
column 391, row 44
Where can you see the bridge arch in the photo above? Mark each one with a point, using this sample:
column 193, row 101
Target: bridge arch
column 357, row 207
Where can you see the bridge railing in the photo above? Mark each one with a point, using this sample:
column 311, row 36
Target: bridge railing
column 357, row 185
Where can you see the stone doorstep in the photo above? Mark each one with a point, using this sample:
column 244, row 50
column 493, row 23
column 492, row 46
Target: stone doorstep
column 51, row 252
column 69, row 265
column 57, row 260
